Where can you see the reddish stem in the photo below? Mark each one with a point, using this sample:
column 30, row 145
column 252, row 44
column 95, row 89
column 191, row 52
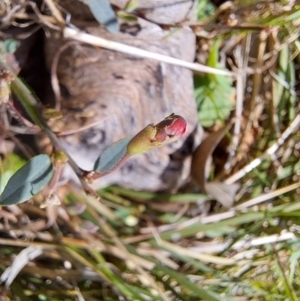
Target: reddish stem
column 90, row 176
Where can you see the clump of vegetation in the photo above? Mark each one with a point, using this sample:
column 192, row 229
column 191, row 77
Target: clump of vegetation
column 137, row 245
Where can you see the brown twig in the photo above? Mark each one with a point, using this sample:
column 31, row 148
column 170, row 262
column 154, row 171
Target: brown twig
column 54, row 79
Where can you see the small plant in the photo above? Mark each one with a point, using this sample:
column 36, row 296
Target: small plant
column 166, row 131
column 41, row 174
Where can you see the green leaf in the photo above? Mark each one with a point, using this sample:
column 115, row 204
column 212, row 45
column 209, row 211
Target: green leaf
column 28, row 180
column 292, row 99
column 10, row 45
column 104, row 14
column 201, row 293
column 219, row 232
column 213, row 58
column 213, row 99
column 156, row 196
column 282, row 72
column 9, row 166
column 127, row 17
column 205, row 9
column 112, row 156
column 213, row 93
column 131, row 5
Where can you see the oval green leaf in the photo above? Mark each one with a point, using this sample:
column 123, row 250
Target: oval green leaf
column 28, row 180
column 112, row 156
column 104, row 14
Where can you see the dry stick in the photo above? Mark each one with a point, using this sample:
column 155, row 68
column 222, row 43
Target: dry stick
column 6, row 19
column 270, row 151
column 42, row 18
column 267, row 196
column 242, row 62
column 20, row 119
column 119, row 47
column 257, row 82
column 54, row 79
column 55, row 12
column 238, row 114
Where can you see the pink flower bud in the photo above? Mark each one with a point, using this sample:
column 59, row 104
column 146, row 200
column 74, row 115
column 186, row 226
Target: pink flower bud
column 170, row 127
column 166, row 131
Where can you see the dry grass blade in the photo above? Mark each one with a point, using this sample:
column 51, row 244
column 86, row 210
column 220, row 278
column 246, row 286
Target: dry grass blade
column 19, row 262
column 270, row 151
column 56, row 13
column 186, row 252
column 80, row 36
column 267, row 196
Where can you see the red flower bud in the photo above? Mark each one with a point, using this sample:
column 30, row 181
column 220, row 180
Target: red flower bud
column 170, row 127
column 166, row 131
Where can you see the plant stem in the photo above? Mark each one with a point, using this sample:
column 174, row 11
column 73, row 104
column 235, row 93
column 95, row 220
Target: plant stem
column 90, row 176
